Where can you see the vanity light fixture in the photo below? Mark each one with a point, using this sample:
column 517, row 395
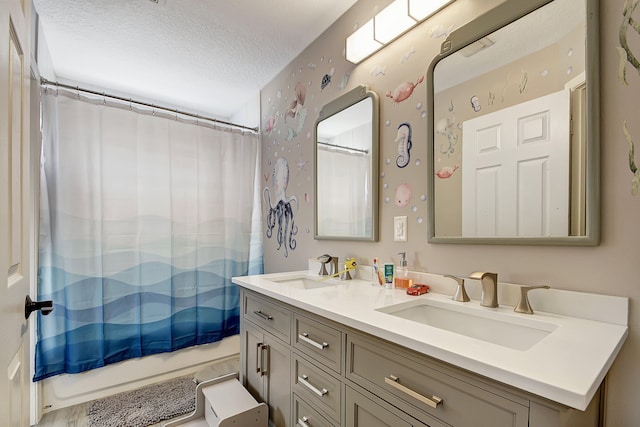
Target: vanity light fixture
column 361, row 43
column 393, row 21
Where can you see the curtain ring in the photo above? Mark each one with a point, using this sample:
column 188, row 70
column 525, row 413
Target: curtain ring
column 130, row 104
column 153, row 110
column 104, row 99
column 78, row 92
column 176, row 114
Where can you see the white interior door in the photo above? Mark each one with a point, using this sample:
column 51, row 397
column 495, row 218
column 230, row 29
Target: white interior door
column 515, row 170
column 15, row 246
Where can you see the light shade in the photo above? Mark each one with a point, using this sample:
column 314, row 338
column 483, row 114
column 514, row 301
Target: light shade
column 421, row 9
column 361, row 43
column 392, row 21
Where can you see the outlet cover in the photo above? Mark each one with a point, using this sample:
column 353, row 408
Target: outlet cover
column 400, row 228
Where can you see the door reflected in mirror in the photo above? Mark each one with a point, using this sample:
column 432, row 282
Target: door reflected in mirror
column 513, row 127
column 346, row 168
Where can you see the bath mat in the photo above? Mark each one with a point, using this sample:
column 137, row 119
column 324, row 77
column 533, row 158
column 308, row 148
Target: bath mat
column 145, row 406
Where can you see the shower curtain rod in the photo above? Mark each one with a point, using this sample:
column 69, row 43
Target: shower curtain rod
column 342, row 147
column 45, row 82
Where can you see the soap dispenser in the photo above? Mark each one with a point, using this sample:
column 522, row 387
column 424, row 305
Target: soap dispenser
column 402, row 272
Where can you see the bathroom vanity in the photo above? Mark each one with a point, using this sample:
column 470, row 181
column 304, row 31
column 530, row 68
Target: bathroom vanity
column 346, row 353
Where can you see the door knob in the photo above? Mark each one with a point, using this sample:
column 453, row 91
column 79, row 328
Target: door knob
column 45, row 307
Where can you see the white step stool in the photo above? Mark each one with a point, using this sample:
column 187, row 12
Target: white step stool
column 224, row 402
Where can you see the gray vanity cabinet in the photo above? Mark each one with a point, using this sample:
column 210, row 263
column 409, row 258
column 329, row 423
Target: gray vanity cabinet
column 413, row 384
column 314, row 372
column 266, row 356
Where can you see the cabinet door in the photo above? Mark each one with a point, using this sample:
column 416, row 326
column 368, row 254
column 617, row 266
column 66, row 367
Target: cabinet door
column 278, row 381
column 252, row 342
column 266, row 366
column 364, row 412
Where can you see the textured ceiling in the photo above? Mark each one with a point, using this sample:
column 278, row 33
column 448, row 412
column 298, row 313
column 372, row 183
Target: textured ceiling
column 206, row 56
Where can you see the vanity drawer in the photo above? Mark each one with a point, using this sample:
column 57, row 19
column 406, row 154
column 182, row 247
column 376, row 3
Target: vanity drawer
column 407, row 381
column 370, row 411
column 319, row 341
column 317, row 387
column 273, row 318
column 305, row 416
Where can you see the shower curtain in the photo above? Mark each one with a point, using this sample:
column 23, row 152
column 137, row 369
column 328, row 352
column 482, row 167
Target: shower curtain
column 143, row 221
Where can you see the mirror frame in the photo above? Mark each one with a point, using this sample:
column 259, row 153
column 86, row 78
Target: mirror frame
column 359, row 93
column 501, row 15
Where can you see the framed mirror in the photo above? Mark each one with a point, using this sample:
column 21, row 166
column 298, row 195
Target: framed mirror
column 346, row 167
column 513, row 127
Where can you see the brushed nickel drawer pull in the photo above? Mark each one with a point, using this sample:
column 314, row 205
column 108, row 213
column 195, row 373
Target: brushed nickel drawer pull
column 433, row 401
column 303, row 380
column 264, row 361
column 261, row 314
column 259, row 357
column 305, row 337
column 302, row 422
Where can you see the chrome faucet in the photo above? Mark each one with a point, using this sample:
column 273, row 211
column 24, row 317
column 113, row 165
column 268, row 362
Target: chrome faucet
column 489, row 287
column 326, row 259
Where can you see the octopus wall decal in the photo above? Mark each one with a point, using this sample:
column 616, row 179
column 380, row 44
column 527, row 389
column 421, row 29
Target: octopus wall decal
column 635, row 181
column 627, row 56
column 283, row 209
column 624, row 50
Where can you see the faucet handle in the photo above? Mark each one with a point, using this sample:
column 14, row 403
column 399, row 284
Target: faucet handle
column 523, row 305
column 461, row 292
column 349, row 264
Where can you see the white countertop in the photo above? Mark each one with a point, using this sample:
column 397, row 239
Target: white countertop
column 566, row 366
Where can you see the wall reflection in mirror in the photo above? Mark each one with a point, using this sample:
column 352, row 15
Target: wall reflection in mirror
column 513, row 127
column 347, row 167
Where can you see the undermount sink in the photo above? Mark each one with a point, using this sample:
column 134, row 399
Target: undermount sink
column 306, row 282
column 516, row 332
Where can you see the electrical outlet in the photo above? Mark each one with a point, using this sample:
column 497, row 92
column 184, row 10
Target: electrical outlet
column 400, row 228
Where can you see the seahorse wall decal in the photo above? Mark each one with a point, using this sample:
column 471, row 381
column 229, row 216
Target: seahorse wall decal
column 404, row 145
column 626, row 56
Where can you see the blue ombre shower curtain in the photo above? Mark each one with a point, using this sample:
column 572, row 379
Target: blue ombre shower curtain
column 143, row 222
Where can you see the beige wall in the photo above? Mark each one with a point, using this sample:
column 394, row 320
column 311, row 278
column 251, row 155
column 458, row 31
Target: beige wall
column 610, row 268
